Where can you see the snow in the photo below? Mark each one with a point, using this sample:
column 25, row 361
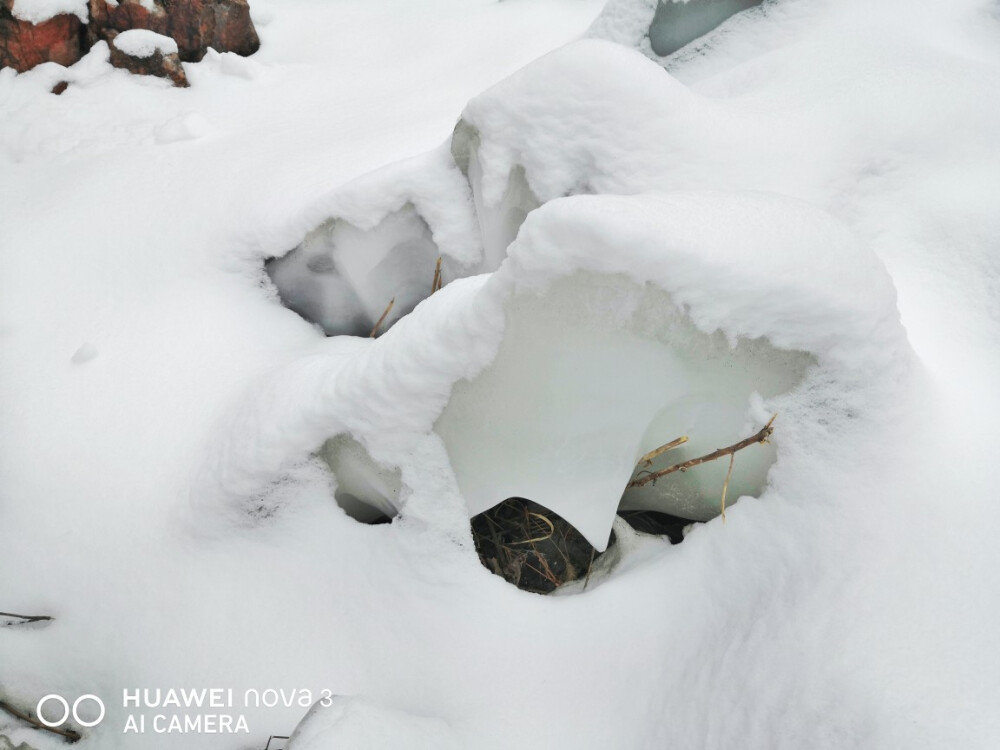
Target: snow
column 820, row 177
column 39, row 11
column 358, row 723
column 144, row 43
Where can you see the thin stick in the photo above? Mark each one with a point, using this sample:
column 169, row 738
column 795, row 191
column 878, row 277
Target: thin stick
column 437, row 283
column 26, row 618
column 725, row 485
column 69, row 734
column 382, row 319
column 760, row 437
column 590, row 566
column 648, row 458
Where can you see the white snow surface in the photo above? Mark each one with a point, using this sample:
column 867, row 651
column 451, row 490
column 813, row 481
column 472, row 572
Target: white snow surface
column 144, row 43
column 823, row 175
column 39, row 11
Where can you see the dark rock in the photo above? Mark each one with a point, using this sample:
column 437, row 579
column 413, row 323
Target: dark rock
column 224, row 25
column 60, row 87
column 149, row 54
column 23, row 45
column 532, row 547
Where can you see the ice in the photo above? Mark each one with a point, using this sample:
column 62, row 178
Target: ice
column 144, row 43
column 659, row 28
column 678, row 22
column 553, row 421
column 498, row 220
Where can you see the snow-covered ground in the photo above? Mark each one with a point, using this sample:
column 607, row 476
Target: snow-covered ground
column 822, row 174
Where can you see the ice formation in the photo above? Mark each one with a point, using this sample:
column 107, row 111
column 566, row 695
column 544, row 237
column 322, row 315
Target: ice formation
column 661, row 27
column 577, row 376
column 616, row 324
column 380, row 241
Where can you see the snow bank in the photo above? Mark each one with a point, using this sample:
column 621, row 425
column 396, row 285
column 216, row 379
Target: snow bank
column 144, row 43
column 39, row 11
column 849, row 605
column 550, row 378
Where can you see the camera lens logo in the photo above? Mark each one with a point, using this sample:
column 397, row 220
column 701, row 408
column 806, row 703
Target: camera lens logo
column 66, row 710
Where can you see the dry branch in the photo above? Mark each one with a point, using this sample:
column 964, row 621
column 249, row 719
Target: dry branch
column 760, row 437
column 382, row 319
column 648, row 458
column 26, row 618
column 725, row 485
column 437, row 283
column 70, row 735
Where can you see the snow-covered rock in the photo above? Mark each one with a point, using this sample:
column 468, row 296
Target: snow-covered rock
column 142, row 43
column 40, row 11
column 145, row 52
column 36, row 33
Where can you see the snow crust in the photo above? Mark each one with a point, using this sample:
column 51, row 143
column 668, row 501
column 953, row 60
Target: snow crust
column 144, row 43
column 39, row 11
column 166, row 502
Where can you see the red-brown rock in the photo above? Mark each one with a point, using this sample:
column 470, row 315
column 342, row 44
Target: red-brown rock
column 224, row 25
column 106, row 20
column 195, row 25
column 23, row 45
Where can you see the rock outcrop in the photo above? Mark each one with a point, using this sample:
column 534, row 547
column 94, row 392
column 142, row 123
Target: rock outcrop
column 195, row 25
column 24, row 44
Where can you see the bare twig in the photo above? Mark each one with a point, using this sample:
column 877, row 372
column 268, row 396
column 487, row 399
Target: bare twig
column 760, row 437
column 590, row 567
column 26, row 618
column 71, row 735
column 648, row 458
column 438, row 281
column 381, row 320
column 725, row 485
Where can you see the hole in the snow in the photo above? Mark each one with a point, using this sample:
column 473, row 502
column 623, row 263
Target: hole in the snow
column 537, row 550
column 656, row 523
column 342, row 277
column 367, row 491
column 531, row 547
